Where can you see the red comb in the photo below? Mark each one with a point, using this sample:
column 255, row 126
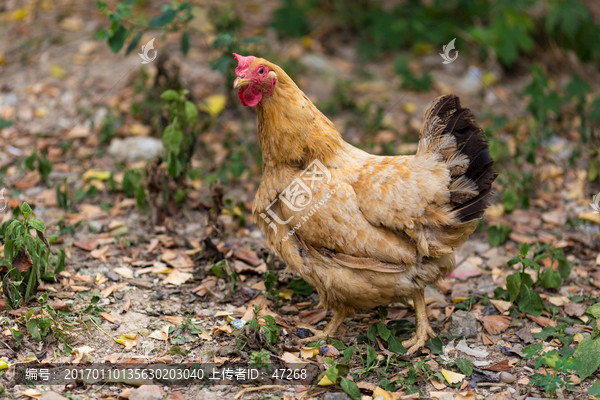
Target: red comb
column 243, row 64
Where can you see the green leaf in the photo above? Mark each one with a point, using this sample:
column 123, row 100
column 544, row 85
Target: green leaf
column 435, row 345
column 383, row 331
column 191, row 113
column 134, row 43
column 513, row 285
column 530, row 301
column 594, row 390
column 37, row 224
column 172, row 138
column 117, row 39
column 371, row 356
column 301, row 287
column 185, row 43
column 350, row 388
column 587, row 356
column 524, row 250
column 395, row 345
column 4, row 123
column 550, row 279
column 26, row 210
column 169, row 95
column 465, row 366
column 162, row 19
column 510, row 200
column 594, row 311
column 34, row 329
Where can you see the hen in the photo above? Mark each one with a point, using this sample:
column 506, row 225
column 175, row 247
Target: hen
column 364, row 230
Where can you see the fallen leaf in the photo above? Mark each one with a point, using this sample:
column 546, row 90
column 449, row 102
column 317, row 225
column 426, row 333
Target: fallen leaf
column 82, row 354
column 475, row 352
column 176, row 277
column 501, row 305
column 309, row 352
column 100, row 254
column 313, row 317
column 95, row 174
column 33, row 393
column 290, row 358
column 109, row 317
column 161, row 334
column 452, row 377
column 125, row 272
column 127, row 340
column 437, row 384
column 467, row 269
column 495, row 324
column 499, row 366
column 213, row 104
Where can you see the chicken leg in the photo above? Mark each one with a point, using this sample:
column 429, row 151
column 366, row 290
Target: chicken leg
column 330, row 329
column 424, row 331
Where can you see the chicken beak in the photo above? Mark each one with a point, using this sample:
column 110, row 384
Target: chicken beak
column 239, row 82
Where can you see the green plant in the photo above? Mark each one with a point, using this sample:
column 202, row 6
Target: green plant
column 28, row 258
column 499, row 234
column 410, row 80
column 174, row 17
column 520, row 285
column 41, row 163
column 222, row 269
column 259, row 359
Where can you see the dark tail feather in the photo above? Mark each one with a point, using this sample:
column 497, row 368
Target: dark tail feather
column 451, row 131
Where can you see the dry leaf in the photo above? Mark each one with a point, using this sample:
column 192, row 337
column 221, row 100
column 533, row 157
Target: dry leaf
column 82, row 354
column 313, row 317
column 501, row 305
column 438, row 385
column 495, row 324
column 33, row 393
column 176, row 277
column 290, row 358
column 128, row 340
column 162, row 333
column 452, row 377
column 125, row 272
column 499, row 366
column 110, row 318
column 309, row 352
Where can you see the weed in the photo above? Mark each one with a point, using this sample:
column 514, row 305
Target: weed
column 28, row 258
column 41, row 163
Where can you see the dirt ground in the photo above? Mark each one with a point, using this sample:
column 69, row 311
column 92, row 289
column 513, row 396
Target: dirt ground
column 57, row 85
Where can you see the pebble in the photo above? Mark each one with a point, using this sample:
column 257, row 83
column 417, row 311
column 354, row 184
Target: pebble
column 135, row 148
column 463, row 323
column 507, row 377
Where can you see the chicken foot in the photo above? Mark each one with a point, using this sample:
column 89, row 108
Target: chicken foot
column 330, row 330
column 424, row 331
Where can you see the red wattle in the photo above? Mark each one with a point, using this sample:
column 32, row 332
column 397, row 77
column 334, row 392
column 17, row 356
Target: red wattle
column 250, row 96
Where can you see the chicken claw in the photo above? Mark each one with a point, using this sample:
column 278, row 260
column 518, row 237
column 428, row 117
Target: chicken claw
column 330, row 329
column 424, row 331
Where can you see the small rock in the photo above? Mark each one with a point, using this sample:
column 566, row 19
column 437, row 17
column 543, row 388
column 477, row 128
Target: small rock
column 135, row 148
column 238, row 323
column 302, row 333
column 463, row 323
column 146, row 392
column 52, row 396
column 507, row 377
column 336, row 396
column 227, row 350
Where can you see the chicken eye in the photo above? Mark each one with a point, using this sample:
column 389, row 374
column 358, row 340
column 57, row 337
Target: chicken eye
column 261, row 71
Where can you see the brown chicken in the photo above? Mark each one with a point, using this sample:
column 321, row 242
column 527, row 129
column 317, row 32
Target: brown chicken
column 364, row 230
